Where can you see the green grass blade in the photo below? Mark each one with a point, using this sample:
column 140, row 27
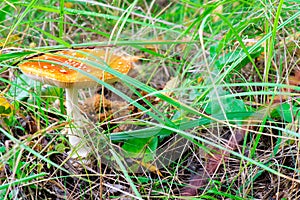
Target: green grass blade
column 15, row 140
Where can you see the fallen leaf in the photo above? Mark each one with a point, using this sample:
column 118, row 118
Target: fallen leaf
column 200, row 79
column 68, row 5
column 213, row 160
column 5, row 107
column 149, row 166
column 98, row 108
column 170, row 86
column 292, row 80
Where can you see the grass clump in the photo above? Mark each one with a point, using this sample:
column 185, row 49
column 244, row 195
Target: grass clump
column 210, row 110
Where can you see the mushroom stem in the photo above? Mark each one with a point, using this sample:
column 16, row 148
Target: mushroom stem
column 75, row 132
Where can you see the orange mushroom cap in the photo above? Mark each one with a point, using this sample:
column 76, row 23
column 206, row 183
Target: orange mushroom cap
column 62, row 76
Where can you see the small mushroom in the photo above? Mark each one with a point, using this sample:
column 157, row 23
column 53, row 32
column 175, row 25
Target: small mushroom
column 62, row 76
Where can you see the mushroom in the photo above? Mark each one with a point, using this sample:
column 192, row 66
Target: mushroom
column 67, row 77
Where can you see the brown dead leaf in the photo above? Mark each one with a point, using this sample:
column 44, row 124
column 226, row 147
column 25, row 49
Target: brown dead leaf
column 292, row 80
column 98, row 108
column 213, row 160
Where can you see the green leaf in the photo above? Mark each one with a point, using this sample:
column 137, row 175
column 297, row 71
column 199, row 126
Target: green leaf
column 221, row 106
column 158, row 130
column 2, row 149
column 21, row 86
column 2, row 108
column 141, row 148
column 287, row 113
column 60, row 147
column 6, row 111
